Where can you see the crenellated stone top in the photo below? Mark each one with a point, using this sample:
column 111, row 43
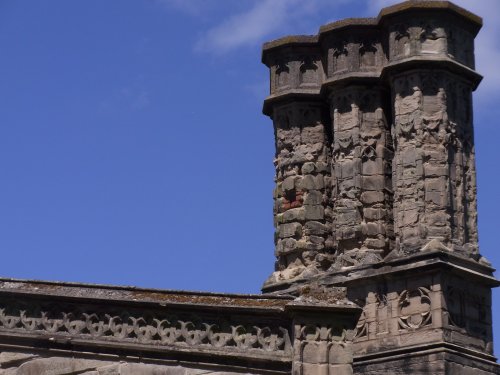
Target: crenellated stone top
column 410, row 34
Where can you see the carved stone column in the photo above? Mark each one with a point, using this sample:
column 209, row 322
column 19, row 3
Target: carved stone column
column 434, row 166
column 302, row 208
column 303, row 240
column 361, row 182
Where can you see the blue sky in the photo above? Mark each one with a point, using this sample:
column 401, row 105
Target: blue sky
column 133, row 150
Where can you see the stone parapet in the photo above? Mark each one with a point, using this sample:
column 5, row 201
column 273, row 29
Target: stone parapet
column 98, row 326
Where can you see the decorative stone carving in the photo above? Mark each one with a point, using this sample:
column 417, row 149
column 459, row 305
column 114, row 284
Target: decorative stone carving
column 361, row 327
column 414, row 308
column 399, row 193
column 155, row 329
column 401, row 41
column 375, row 199
column 467, row 311
column 433, row 39
column 309, row 71
column 281, row 76
column 339, row 58
column 321, row 344
column 368, row 54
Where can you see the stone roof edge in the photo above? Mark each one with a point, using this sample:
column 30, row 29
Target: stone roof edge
column 126, row 288
column 100, row 294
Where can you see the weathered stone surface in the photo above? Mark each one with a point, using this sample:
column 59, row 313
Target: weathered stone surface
column 57, row 366
column 375, row 201
column 99, row 330
column 301, row 194
column 73, row 366
column 400, row 142
column 10, row 359
column 290, row 230
column 397, row 184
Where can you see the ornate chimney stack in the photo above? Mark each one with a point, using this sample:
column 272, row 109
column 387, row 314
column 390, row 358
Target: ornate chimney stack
column 375, row 182
column 303, row 206
column 431, row 75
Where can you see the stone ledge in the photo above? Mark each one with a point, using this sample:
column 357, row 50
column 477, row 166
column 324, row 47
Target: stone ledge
column 134, row 295
column 443, row 348
column 424, row 260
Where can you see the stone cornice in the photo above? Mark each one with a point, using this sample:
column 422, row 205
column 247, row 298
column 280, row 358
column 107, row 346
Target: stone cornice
column 417, row 263
column 420, row 5
column 395, row 10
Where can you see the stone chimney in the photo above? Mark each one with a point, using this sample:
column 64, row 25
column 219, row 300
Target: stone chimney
column 376, row 184
column 374, row 140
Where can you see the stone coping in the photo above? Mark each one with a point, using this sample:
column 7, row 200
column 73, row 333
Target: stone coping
column 140, row 295
column 438, row 347
column 292, row 40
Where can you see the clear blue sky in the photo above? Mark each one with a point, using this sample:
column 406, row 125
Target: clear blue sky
column 132, row 145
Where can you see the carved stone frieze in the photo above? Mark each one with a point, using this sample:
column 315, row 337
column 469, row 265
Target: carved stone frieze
column 321, row 344
column 153, row 328
column 467, row 311
column 375, row 203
